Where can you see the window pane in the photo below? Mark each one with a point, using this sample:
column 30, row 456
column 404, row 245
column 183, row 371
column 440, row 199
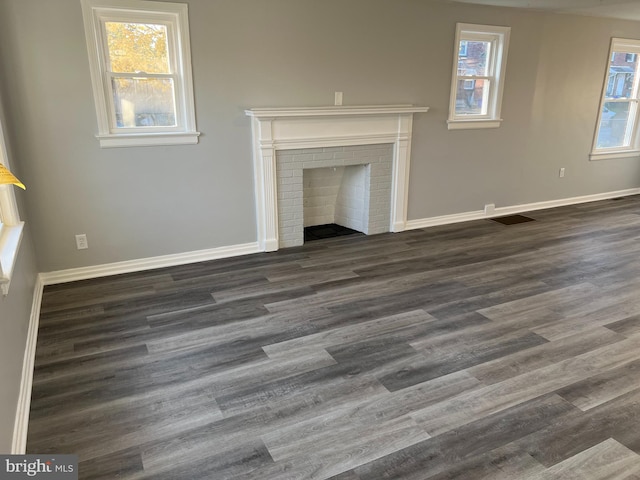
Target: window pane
column 137, row 47
column 614, row 126
column 462, row 51
column 472, row 97
column 476, row 60
column 622, row 72
column 144, row 102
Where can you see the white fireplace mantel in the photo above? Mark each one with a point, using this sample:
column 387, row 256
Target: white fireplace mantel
column 313, row 127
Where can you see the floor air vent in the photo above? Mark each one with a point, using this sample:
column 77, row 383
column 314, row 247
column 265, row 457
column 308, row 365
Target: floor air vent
column 513, row 219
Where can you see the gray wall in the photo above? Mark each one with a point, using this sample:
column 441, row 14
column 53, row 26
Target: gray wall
column 141, row 202
column 15, row 312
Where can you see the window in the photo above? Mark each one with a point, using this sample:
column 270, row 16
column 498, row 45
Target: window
column 140, row 62
column 10, row 225
column 478, row 76
column 617, row 132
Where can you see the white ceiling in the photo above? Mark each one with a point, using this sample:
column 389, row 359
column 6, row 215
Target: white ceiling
column 625, row 9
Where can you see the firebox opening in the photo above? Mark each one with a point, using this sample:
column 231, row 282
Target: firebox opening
column 335, row 201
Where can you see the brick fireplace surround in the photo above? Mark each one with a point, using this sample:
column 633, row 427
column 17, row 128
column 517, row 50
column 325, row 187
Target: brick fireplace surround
column 288, row 140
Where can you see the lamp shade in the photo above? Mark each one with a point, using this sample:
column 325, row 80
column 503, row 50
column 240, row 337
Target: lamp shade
column 8, row 178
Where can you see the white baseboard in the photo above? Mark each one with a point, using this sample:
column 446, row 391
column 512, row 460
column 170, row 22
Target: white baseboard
column 84, row 273
column 445, row 220
column 19, row 445
column 527, row 207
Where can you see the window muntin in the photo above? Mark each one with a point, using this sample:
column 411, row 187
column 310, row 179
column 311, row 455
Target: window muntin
column 141, row 71
column 477, row 85
column 617, row 125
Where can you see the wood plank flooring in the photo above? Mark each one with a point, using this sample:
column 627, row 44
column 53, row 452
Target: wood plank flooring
column 469, row 351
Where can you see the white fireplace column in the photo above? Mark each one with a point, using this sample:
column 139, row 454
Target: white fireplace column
column 277, row 129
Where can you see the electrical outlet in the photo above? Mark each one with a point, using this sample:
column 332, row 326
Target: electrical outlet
column 489, row 209
column 561, row 173
column 81, row 241
column 338, row 98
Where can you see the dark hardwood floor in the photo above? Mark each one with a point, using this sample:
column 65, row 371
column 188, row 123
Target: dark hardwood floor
column 469, row 351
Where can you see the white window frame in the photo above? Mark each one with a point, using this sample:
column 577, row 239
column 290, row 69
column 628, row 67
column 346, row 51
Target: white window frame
column 11, row 227
column 175, row 17
column 497, row 65
column 621, row 45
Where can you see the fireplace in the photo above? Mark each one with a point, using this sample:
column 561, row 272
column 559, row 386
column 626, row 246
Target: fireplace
column 288, row 141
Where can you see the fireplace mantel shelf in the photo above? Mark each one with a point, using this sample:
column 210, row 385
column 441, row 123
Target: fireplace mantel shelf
column 347, row 110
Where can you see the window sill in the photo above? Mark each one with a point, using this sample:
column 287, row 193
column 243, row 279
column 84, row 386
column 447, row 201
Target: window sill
column 10, row 237
column 147, row 139
column 613, row 155
column 472, row 124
